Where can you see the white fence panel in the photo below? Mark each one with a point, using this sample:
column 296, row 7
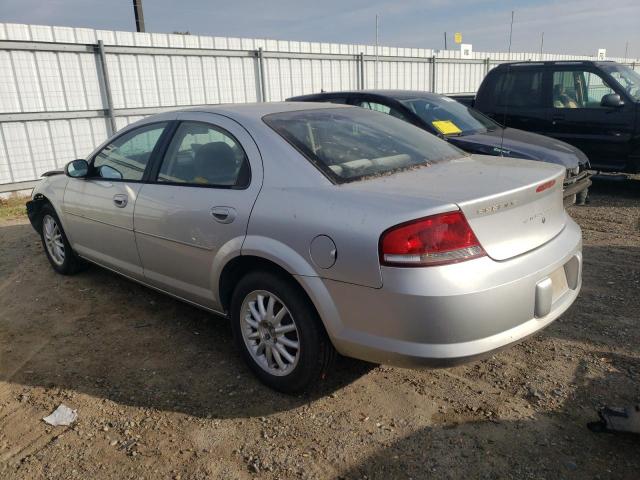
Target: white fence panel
column 53, row 91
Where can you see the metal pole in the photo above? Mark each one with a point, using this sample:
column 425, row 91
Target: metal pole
column 361, row 71
column 445, row 40
column 510, row 34
column 376, row 72
column 137, row 12
column 541, row 44
column 487, row 66
column 263, row 89
column 626, row 50
column 107, row 88
column 433, row 74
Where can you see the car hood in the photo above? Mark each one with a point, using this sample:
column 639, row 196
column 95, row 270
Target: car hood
column 521, row 144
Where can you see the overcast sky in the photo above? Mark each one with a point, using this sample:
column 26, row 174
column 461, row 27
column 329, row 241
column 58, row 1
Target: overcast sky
column 571, row 26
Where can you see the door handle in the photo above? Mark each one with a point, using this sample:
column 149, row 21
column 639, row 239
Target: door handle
column 223, row 214
column 120, row 200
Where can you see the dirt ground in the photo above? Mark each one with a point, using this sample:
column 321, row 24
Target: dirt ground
column 161, row 392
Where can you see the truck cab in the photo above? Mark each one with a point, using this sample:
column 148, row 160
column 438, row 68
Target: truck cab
column 592, row 105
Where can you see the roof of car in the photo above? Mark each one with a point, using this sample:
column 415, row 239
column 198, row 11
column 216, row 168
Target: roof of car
column 396, row 94
column 243, row 113
column 258, row 110
column 555, row 62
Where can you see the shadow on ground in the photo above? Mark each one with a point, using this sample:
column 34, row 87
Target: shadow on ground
column 108, row 337
column 621, row 186
column 559, row 439
column 103, row 335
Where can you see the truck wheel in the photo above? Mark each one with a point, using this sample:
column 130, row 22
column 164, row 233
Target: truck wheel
column 279, row 333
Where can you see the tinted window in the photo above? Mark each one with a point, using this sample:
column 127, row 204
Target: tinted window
column 351, row 143
column 519, row 88
column 379, row 107
column 578, row 89
column 202, row 154
column 127, row 156
column 334, row 100
column 448, row 116
column 627, row 78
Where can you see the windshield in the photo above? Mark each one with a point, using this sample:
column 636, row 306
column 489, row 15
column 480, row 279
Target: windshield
column 449, row 117
column 349, row 143
column 627, row 78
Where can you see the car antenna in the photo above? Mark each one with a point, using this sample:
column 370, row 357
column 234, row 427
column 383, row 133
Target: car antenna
column 506, row 99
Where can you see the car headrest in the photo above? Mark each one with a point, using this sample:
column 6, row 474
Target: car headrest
column 215, row 163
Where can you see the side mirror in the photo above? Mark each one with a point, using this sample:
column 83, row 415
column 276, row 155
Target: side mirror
column 611, row 100
column 77, row 169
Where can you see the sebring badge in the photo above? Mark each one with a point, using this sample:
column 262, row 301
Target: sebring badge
column 496, row 207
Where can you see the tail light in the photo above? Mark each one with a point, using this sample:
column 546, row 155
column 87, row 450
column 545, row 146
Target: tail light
column 437, row 240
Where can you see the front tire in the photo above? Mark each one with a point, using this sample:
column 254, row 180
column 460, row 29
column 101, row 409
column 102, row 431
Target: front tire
column 56, row 245
column 279, row 333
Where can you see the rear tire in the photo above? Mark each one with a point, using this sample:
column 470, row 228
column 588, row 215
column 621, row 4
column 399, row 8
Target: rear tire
column 279, row 333
column 56, row 245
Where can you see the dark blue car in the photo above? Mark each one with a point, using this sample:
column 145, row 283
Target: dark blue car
column 469, row 130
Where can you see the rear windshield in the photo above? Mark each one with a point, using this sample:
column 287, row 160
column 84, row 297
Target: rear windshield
column 350, row 143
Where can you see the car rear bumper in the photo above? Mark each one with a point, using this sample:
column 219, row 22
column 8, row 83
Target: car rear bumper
column 439, row 316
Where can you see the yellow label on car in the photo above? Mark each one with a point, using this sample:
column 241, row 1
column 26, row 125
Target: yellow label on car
column 446, row 127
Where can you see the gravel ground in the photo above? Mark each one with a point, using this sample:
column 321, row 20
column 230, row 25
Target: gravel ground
column 161, row 393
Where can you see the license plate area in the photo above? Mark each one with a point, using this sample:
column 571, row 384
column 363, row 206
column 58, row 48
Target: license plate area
column 549, row 290
column 559, row 284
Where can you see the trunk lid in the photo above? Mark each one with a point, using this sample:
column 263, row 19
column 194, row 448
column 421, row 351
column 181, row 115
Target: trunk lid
column 513, row 206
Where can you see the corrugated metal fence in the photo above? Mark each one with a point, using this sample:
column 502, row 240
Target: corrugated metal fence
column 64, row 90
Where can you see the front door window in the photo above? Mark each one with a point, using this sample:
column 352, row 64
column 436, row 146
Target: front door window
column 126, row 157
column 578, row 89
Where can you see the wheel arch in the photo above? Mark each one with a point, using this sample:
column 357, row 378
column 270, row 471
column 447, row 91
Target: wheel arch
column 34, row 210
column 312, row 287
column 241, row 265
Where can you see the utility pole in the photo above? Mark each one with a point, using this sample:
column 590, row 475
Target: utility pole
column 510, row 33
column 445, row 40
column 376, row 72
column 541, row 44
column 137, row 11
column 626, row 50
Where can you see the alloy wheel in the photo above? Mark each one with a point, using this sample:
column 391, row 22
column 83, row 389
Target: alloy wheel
column 270, row 332
column 53, row 239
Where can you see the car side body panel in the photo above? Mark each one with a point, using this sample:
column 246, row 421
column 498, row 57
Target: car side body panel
column 177, row 233
column 101, row 231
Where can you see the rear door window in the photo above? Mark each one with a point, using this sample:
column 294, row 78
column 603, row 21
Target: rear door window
column 380, row 107
column 518, row 88
column 204, row 155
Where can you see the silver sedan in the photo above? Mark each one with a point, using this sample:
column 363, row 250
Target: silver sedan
column 318, row 229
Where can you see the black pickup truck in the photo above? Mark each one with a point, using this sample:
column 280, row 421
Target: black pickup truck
column 594, row 106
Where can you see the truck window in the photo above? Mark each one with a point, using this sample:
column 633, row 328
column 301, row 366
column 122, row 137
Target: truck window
column 518, row 88
column 578, row 89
